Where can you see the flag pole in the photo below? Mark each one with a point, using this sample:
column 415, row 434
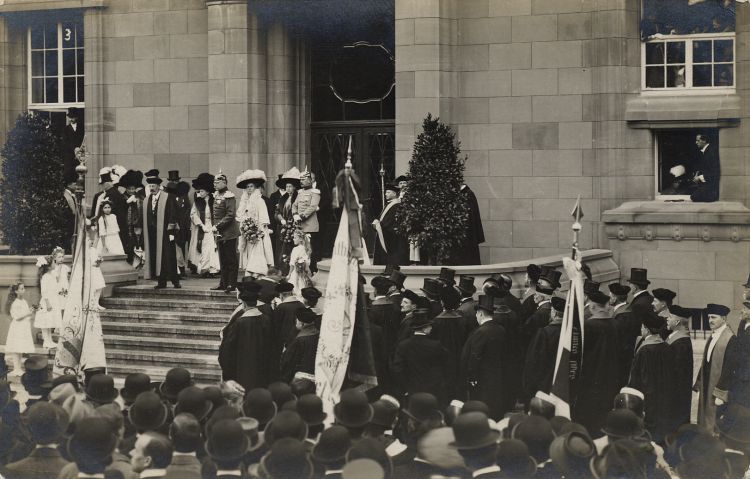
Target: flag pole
column 577, row 213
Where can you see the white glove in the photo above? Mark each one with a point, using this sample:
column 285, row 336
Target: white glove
column 171, row 237
column 297, row 218
column 132, row 199
column 206, row 229
column 283, row 222
column 718, row 402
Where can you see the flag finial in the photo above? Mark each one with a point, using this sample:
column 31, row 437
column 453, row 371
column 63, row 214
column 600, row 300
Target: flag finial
column 577, row 214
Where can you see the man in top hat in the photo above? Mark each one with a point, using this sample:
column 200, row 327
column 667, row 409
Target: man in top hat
column 533, row 273
column 542, row 353
column 249, row 353
column 432, row 289
column 467, row 252
column 387, row 241
column 548, row 282
column 384, row 313
column 642, row 301
column 305, row 210
column 589, row 287
column 628, row 328
column 652, row 373
column 132, row 181
column 482, row 360
column 395, row 292
column 151, row 455
column 179, row 190
column 72, row 138
column 598, row 380
column 422, row 364
column 450, row 327
column 160, row 230
column 300, row 355
column 45, row 424
column 681, row 345
column 226, row 231
column 466, row 290
column 36, row 378
column 714, row 375
column 108, row 184
column 285, row 315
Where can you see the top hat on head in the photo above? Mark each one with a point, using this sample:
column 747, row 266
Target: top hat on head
column 148, row 412
column 717, row 309
column 680, row 312
column 193, row 400
column 622, row 423
column 423, row 407
column 536, row 432
column 152, row 177
column 204, row 181
column 534, row 272
column 420, row 318
column 385, row 413
column 352, row 410
column 175, row 381
column 571, row 453
column 472, row 431
column 173, row 175
column 227, row 441
column 432, row 288
column 255, row 177
column 590, row 286
column 485, row 302
column 101, row 389
column 639, row 276
column 514, row 459
column 259, row 404
column 92, row 442
column 332, row 446
column 285, row 424
column 310, row 409
column 287, row 458
column 46, row 422
column 664, row 294
column 466, row 285
column 135, row 383
column 291, row 176
column 131, row 178
column 311, row 293
column 599, row 298
column 74, row 112
column 183, row 188
column 398, row 278
column 450, row 296
column 552, row 276
column 447, row 276
column 619, row 289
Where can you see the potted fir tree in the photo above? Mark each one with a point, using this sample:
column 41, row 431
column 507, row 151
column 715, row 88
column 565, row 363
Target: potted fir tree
column 433, row 215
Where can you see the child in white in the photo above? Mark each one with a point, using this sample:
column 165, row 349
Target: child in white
column 299, row 263
column 53, row 283
column 109, row 231
column 96, row 277
column 19, row 339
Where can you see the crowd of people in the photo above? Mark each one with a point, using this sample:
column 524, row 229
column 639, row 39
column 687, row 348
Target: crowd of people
column 463, row 383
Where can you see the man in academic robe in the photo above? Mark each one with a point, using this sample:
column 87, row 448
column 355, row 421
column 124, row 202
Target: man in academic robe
column 132, row 181
column 72, row 137
column 642, row 302
column 707, row 172
column 384, row 313
column 482, row 360
column 451, row 328
column 714, row 376
column 628, row 329
column 421, row 364
column 395, row 293
column 597, row 384
column 386, row 238
column 468, row 251
column 432, row 289
column 300, row 355
column 285, row 314
column 548, row 283
column 467, row 289
column 226, row 230
column 410, row 302
column 244, row 353
column 117, row 201
column 652, row 373
column 542, row 353
column 681, row 345
column 663, row 299
column 589, row 287
column 160, row 229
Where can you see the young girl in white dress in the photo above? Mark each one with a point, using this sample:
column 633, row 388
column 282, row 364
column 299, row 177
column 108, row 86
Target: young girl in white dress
column 299, row 263
column 257, row 256
column 97, row 278
column 109, row 231
column 19, row 339
column 53, row 283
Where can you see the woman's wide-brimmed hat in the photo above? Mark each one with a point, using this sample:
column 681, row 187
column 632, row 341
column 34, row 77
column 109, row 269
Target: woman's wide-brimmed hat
column 291, row 176
column 204, row 181
column 256, row 177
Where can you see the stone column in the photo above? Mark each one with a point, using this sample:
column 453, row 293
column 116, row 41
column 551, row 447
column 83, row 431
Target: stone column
column 98, row 118
column 228, row 87
column 13, row 87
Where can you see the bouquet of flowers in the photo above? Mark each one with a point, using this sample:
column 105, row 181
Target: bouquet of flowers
column 251, row 231
column 287, row 231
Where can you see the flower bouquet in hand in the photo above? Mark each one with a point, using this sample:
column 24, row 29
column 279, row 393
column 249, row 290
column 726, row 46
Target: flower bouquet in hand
column 251, row 231
column 287, row 231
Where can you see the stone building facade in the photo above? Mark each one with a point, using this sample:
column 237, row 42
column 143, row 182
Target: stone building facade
column 548, row 99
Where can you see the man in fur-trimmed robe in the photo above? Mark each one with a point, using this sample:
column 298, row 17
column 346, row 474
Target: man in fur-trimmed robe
column 386, row 239
column 160, row 230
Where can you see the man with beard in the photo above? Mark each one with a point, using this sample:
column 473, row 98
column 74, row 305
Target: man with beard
column 542, row 353
column 681, row 345
column 482, row 366
column 597, row 383
column 160, row 228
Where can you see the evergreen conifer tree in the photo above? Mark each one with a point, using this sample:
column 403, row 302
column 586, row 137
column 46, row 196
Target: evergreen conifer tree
column 432, row 213
column 31, row 189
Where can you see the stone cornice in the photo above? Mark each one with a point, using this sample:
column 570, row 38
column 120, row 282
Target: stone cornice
column 10, row 6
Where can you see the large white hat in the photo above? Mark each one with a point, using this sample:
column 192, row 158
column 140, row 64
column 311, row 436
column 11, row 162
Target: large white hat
column 251, row 176
column 291, row 176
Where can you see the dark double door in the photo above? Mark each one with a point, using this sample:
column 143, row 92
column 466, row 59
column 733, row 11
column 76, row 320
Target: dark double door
column 373, row 146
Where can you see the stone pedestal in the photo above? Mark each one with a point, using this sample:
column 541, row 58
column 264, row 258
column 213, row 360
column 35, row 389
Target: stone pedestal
column 699, row 250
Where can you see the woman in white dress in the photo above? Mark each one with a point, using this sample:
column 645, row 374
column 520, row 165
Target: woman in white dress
column 53, row 283
column 203, row 252
column 19, row 340
column 109, row 230
column 256, row 255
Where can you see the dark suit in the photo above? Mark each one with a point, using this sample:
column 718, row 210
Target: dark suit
column 707, row 164
column 71, row 139
column 682, row 350
column 468, row 250
column 483, row 369
column 421, row 364
column 184, row 467
column 40, row 464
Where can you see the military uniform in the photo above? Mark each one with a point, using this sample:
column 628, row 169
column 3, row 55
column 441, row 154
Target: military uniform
column 223, row 217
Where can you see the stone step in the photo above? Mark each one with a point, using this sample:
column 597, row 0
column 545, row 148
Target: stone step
column 184, row 318
column 148, row 291
column 202, row 376
column 165, row 358
column 173, row 304
column 136, row 344
column 156, row 330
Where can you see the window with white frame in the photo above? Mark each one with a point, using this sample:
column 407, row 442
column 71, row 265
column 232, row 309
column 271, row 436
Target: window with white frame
column 56, row 65
column 702, row 61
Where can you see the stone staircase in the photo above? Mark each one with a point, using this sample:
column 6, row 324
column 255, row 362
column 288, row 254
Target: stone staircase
column 151, row 331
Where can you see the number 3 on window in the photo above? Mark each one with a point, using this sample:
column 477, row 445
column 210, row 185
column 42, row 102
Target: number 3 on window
column 68, row 34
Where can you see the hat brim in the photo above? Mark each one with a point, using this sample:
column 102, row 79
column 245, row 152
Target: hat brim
column 315, row 420
column 170, row 395
column 282, row 182
column 616, row 435
column 430, row 294
column 488, row 439
column 227, row 454
column 130, row 396
column 477, row 307
column 149, row 425
column 207, row 407
column 111, row 397
column 358, row 423
column 154, row 181
column 256, row 181
column 467, row 291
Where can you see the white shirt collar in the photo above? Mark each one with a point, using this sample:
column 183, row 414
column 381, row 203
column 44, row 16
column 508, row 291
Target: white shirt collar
column 192, row 454
column 92, row 476
column 485, row 470
column 619, row 305
column 334, row 471
column 225, row 472
column 153, row 473
column 703, row 150
column 718, row 331
column 640, row 292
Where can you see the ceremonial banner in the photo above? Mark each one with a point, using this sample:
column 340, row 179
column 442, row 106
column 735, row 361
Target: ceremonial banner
column 81, row 343
column 570, row 347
